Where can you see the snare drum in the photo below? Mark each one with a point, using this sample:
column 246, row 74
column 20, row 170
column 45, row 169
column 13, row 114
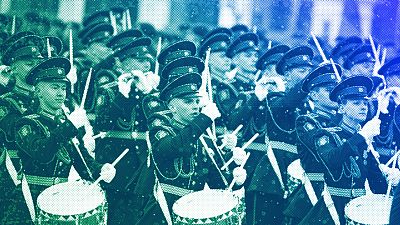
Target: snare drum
column 295, row 175
column 368, row 209
column 72, row 203
column 207, row 207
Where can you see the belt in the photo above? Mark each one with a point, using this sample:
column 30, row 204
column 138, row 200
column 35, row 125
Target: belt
column 258, row 147
column 130, row 135
column 283, row 146
column 174, row 190
column 315, row 176
column 44, row 181
column 346, row 192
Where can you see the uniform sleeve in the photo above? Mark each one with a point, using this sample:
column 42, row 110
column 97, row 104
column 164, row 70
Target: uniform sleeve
column 80, row 167
column 306, row 129
column 40, row 143
column 170, row 144
column 8, row 117
column 244, row 109
column 377, row 182
column 333, row 153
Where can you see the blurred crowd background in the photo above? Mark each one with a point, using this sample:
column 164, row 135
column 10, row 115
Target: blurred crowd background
column 284, row 21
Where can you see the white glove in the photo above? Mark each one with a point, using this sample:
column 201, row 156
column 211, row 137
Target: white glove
column 152, row 79
column 211, row 110
column 230, row 141
column 107, row 172
column 239, row 155
column 261, row 90
column 392, row 174
column 141, row 81
column 239, row 175
column 72, row 75
column 78, row 117
column 124, row 84
column 89, row 143
column 371, row 129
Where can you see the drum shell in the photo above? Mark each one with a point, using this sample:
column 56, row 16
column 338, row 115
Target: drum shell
column 368, row 209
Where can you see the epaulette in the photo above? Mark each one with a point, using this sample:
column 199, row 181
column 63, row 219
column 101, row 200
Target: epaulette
column 152, row 104
column 8, row 98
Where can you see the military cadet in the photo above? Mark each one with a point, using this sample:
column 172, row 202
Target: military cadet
column 181, row 164
column 346, row 153
column 267, row 62
column 318, row 84
column 44, row 139
column 21, row 53
column 125, row 124
column 175, row 51
column 238, row 30
column 360, row 61
column 395, row 209
column 340, row 52
column 269, row 183
column 244, row 54
column 224, row 93
column 94, row 38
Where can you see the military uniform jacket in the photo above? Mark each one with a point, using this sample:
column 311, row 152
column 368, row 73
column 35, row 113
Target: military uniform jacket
column 306, row 127
column 46, row 150
column 120, row 119
column 180, row 161
column 348, row 166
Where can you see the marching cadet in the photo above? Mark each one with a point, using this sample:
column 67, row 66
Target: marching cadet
column 44, row 139
column 360, row 61
column 224, row 93
column 175, row 51
column 340, row 52
column 395, row 209
column 125, row 124
column 21, row 52
column 94, row 38
column 181, row 162
column 244, row 54
column 318, row 84
column 271, row 190
column 267, row 62
column 347, row 152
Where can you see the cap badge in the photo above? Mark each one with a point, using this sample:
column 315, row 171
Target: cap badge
column 193, row 87
column 305, row 58
column 360, row 89
column 60, row 71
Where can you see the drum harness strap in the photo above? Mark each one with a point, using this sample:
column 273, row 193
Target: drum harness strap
column 310, row 190
column 330, row 206
column 158, row 191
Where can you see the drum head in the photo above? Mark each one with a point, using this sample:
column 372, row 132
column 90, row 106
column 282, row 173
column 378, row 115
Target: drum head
column 296, row 170
column 369, row 209
column 205, row 204
column 70, row 198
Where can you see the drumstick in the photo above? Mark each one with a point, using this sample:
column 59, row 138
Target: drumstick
column 390, row 182
column 234, row 133
column 321, row 52
column 48, row 48
column 100, row 135
column 86, row 88
column 13, row 25
column 241, row 166
column 157, row 65
column 113, row 164
column 243, row 147
column 394, row 157
column 71, row 55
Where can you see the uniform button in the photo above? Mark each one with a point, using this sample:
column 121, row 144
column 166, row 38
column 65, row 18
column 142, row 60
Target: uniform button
column 136, row 147
column 57, row 180
column 193, row 182
column 137, row 96
column 136, row 122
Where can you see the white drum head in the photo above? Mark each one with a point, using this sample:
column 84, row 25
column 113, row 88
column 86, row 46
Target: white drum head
column 71, row 198
column 205, row 204
column 369, row 209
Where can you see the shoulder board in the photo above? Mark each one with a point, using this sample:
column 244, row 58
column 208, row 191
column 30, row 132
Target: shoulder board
column 35, row 118
column 15, row 104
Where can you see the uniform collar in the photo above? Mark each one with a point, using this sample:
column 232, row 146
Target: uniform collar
column 349, row 127
column 324, row 112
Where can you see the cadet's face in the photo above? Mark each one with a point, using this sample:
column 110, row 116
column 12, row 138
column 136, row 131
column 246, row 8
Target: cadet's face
column 246, row 61
column 141, row 64
column 20, row 68
column 185, row 110
column 366, row 68
column 295, row 75
column 52, row 95
column 355, row 109
column 219, row 62
column 321, row 97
